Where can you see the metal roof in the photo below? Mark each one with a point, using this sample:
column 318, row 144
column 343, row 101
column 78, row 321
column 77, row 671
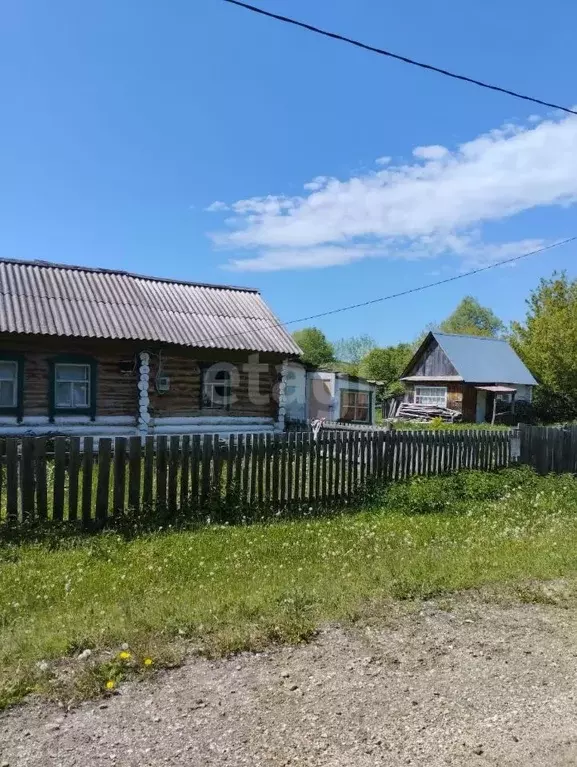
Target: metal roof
column 484, row 360
column 59, row 300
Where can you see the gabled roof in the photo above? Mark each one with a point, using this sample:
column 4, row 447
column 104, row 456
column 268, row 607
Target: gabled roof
column 59, row 300
column 478, row 359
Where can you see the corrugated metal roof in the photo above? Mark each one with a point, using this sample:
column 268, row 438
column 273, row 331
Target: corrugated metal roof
column 484, row 360
column 56, row 299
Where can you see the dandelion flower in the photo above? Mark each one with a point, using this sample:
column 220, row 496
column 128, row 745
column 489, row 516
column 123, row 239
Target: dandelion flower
column 148, row 662
column 124, row 655
column 110, row 685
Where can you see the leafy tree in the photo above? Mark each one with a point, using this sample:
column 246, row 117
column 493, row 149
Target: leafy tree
column 353, row 349
column 317, row 350
column 386, row 364
column 470, row 318
column 547, row 343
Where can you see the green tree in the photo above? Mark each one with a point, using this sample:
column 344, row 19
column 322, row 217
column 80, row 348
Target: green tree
column 386, row 364
column 470, row 318
column 316, row 348
column 353, row 349
column 547, row 343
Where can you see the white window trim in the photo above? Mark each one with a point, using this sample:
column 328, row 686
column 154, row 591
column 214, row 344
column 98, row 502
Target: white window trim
column 14, row 381
column 442, row 390
column 87, row 381
column 208, row 393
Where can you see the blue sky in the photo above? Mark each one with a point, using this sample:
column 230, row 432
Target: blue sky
column 123, row 122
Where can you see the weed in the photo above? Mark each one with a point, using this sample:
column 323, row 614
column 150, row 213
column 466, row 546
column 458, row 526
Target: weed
column 224, row 589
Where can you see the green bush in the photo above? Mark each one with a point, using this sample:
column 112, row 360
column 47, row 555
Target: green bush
column 427, row 495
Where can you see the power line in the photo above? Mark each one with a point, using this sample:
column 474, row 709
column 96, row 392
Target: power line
column 400, row 294
column 405, row 59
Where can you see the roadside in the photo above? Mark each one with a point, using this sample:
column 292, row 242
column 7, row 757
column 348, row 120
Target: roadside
column 457, row 681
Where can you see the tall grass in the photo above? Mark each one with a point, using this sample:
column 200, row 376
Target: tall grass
column 231, row 588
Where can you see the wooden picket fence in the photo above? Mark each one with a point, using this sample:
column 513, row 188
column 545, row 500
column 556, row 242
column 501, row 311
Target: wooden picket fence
column 90, row 483
column 549, row 448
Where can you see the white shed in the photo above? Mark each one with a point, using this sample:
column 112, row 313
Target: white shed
column 312, row 393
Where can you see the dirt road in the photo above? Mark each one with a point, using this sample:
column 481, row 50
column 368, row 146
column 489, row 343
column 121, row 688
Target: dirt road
column 475, row 684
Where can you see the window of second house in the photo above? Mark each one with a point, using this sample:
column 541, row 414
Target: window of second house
column 431, row 395
column 8, row 383
column 71, row 386
column 355, row 406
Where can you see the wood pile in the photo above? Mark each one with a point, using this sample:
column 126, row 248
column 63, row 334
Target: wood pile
column 408, row 411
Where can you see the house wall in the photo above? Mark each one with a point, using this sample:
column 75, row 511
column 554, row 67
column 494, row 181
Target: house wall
column 462, row 397
column 296, row 392
column 433, row 362
column 178, row 410
column 317, row 394
column 348, row 384
column 455, row 391
column 321, row 395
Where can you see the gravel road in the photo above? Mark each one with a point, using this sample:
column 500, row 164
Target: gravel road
column 476, row 684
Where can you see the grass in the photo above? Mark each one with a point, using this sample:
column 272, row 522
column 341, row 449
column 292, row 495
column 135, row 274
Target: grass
column 438, row 425
column 225, row 589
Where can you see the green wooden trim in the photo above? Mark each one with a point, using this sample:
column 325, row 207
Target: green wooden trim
column 18, row 408
column 72, row 359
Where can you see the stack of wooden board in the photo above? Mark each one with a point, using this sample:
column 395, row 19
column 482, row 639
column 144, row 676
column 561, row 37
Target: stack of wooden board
column 408, row 411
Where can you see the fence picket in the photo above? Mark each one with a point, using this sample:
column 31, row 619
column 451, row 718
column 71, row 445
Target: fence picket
column 298, row 448
column 246, row 469
column 185, row 472
column 102, row 487
column 173, row 472
column 253, row 469
column 260, row 474
column 205, row 478
column 161, row 468
column 215, row 488
column 119, row 493
column 275, row 471
column 59, row 478
column 305, row 448
column 12, row 480
column 194, row 464
column 134, row 472
column 282, row 468
column 73, row 476
column 148, row 479
column 41, row 477
column 87, row 472
column 268, row 466
column 27, row 478
column 290, row 443
column 330, row 490
column 230, row 493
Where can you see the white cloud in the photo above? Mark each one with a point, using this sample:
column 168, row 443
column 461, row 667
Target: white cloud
column 435, row 204
column 216, row 207
column 434, row 152
column 316, row 184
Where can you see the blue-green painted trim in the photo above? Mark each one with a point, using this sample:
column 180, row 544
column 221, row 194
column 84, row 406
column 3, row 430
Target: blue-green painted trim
column 72, row 359
column 18, row 409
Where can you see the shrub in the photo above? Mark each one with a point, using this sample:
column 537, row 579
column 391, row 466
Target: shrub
column 427, row 495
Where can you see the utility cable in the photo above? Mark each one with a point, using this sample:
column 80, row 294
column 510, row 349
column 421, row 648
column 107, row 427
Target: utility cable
column 398, row 57
column 389, row 297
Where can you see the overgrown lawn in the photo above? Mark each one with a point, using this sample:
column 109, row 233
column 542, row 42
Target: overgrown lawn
column 230, row 588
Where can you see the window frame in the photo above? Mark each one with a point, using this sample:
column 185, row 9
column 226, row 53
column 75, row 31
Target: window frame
column 204, row 384
column 73, row 359
column 18, row 408
column 369, row 405
column 431, row 404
